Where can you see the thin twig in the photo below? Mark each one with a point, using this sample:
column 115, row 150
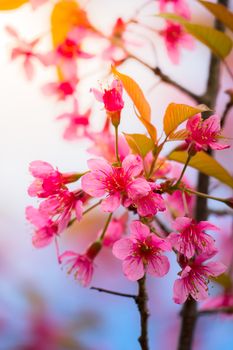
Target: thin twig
column 102, row 290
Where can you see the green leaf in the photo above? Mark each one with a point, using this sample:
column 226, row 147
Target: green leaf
column 205, row 164
column 219, row 43
column 11, row 4
column 139, row 144
column 220, row 12
column 176, row 114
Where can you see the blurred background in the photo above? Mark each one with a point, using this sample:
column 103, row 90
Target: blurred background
column 41, row 307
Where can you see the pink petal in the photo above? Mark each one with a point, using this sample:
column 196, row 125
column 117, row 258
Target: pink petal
column 41, row 239
column 133, row 268
column 205, row 225
column 40, row 169
column 92, row 184
column 180, row 292
column 79, row 210
column 180, row 224
column 138, row 188
column 158, row 266
column 215, row 268
column 36, row 217
column 122, row 248
column 98, row 94
column 111, row 203
column 28, row 68
column 139, row 230
column 100, row 165
column 132, row 165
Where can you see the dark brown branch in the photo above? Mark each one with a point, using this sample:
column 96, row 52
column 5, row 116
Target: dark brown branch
column 102, row 290
column 189, row 317
column 141, row 301
column 225, row 113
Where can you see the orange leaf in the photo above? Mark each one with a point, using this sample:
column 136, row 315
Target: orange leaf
column 136, row 94
column 177, row 113
column 11, row 4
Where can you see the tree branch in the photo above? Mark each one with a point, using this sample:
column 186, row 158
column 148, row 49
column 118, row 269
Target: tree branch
column 224, row 310
column 141, row 301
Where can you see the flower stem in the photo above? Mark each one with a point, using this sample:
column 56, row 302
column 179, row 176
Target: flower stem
column 141, row 301
column 106, row 226
column 204, row 195
column 85, row 212
column 116, row 145
column 183, row 170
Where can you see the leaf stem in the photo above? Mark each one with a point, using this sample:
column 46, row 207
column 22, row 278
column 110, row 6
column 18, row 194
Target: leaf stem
column 183, row 170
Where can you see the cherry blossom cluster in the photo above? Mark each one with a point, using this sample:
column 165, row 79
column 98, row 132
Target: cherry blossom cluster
column 132, row 190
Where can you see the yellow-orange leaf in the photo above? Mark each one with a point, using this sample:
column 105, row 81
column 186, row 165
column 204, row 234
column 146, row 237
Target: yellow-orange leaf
column 177, row 113
column 220, row 12
column 178, row 135
column 66, row 15
column 135, row 93
column 139, row 143
column 11, row 4
column 205, row 164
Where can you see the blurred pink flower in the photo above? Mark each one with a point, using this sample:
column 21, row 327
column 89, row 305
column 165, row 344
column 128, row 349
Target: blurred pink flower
column 180, row 7
column 118, row 183
column 67, row 53
column 204, row 134
column 175, row 38
column 25, row 50
column 61, row 89
column 194, row 279
column 77, row 122
column 142, row 252
column 224, row 300
column 191, row 238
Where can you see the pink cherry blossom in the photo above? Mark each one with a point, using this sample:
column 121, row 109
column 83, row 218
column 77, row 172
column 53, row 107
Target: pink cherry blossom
column 61, row 89
column 46, row 229
column 180, row 7
column 26, row 51
column 194, row 279
column 175, row 38
column 204, row 134
column 82, row 264
column 115, row 230
column 111, row 97
column 47, row 181
column 118, row 183
column 36, row 3
column 142, row 252
column 77, row 123
column 191, row 238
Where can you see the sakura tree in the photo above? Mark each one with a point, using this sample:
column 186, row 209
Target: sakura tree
column 152, row 211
